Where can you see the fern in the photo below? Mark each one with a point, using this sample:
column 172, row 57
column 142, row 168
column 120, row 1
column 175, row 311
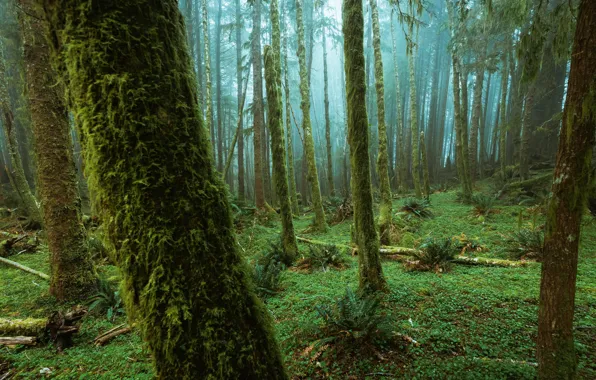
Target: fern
column 434, row 254
column 526, row 244
column 106, row 300
column 418, row 208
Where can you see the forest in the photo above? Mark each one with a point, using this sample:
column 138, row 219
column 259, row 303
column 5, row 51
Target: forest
column 297, row 189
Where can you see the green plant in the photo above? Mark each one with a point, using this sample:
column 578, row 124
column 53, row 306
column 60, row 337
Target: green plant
column 353, row 319
column 267, row 278
column 434, row 254
column 526, row 244
column 417, row 207
column 106, row 300
column 483, row 204
column 324, row 257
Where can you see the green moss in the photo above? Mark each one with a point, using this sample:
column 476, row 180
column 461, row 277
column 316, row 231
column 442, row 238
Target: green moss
column 165, row 209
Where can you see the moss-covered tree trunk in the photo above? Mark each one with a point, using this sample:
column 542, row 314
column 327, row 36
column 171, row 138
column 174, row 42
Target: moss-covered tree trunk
column 208, row 89
column 555, row 346
column 460, row 157
column 72, row 274
column 476, row 120
column 400, row 152
column 319, row 222
column 383, row 157
column 258, row 117
column 240, row 132
column 291, row 171
column 526, row 133
column 415, row 140
column 369, row 262
column 220, row 137
column 20, row 184
column 327, row 120
column 165, row 207
column 425, row 175
column 275, row 121
column 198, row 47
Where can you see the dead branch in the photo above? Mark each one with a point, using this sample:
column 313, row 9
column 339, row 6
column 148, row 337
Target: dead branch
column 14, row 340
column 104, row 338
column 24, row 268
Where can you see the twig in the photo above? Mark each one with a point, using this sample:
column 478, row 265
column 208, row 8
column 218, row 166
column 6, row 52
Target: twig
column 105, row 338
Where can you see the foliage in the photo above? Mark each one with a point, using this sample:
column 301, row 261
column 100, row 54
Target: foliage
column 267, row 278
column 417, row 207
column 526, row 244
column 435, row 254
column 353, row 319
column 107, row 300
column 324, row 257
column 483, row 204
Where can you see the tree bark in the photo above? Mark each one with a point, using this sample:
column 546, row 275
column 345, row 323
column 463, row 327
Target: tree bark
column 241, row 99
column 555, row 346
column 369, row 263
column 208, row 89
column 220, row 137
column 72, row 274
column 258, row 117
column 327, row 119
column 197, row 312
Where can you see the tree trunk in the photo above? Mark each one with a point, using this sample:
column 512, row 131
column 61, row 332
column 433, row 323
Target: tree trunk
column 198, row 47
column 414, row 122
column 240, row 133
column 400, row 154
column 502, row 117
column 275, row 121
column 555, row 346
column 327, row 120
column 197, row 312
column 72, row 274
column 425, row 176
column 220, row 137
column 208, row 90
column 527, row 130
column 369, row 263
column 476, row 120
column 319, row 222
column 383, row 158
column 258, row 117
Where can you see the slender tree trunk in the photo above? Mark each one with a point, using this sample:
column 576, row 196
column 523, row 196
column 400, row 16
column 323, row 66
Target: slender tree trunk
column 476, row 121
column 400, row 158
column 319, row 222
column 208, row 97
column 327, row 120
column 464, row 127
column 198, row 47
column 291, row 172
column 220, row 136
column 197, row 312
column 240, row 136
column 275, row 120
column 72, row 274
column 383, row 158
column 414, row 123
column 527, row 130
column 555, row 346
column 425, row 173
column 482, row 131
column 502, row 117
column 258, row 118
column 460, row 156
column 369, row 263
column 21, row 186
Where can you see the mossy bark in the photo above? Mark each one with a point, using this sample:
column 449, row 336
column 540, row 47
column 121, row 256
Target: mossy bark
column 555, row 346
column 476, row 121
column 258, row 117
column 459, row 135
column 8, row 121
column 319, row 222
column 72, row 274
column 503, row 116
column 414, row 122
column 383, row 157
column 165, row 208
column 275, row 121
column 327, row 119
column 291, row 171
column 526, row 133
column 240, row 132
column 369, row 263
column 425, row 174
column 220, row 132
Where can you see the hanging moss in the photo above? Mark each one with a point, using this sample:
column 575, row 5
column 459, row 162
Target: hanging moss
column 72, row 274
column 369, row 263
column 165, row 208
column 275, row 116
column 309, row 145
column 383, row 157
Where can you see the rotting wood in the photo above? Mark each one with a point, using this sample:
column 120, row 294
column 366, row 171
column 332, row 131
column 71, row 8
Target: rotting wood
column 104, row 338
column 14, row 340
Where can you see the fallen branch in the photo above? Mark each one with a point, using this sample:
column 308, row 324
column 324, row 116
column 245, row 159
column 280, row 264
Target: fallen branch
column 104, row 338
column 22, row 327
column 483, row 261
column 14, row 340
column 24, row 268
column 522, row 362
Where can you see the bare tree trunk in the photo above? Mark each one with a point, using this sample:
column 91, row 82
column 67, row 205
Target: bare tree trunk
column 240, row 136
column 258, row 118
column 327, row 120
column 220, row 136
column 555, row 346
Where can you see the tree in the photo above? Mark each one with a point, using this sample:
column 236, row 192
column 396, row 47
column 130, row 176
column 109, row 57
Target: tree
column 327, row 118
column 413, row 113
column 400, row 155
column 72, row 273
column 555, row 346
column 319, row 222
column 258, row 117
column 275, row 120
column 21, row 186
column 208, row 90
column 165, row 209
column 240, row 135
column 369, row 263
column 383, row 158
column 425, row 175
column 291, row 172
column 220, row 160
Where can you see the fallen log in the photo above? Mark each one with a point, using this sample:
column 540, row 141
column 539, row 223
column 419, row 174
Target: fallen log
column 14, row 340
column 24, row 268
column 104, row 338
column 22, row 327
column 483, row 261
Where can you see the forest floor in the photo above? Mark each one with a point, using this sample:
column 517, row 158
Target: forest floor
column 473, row 322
